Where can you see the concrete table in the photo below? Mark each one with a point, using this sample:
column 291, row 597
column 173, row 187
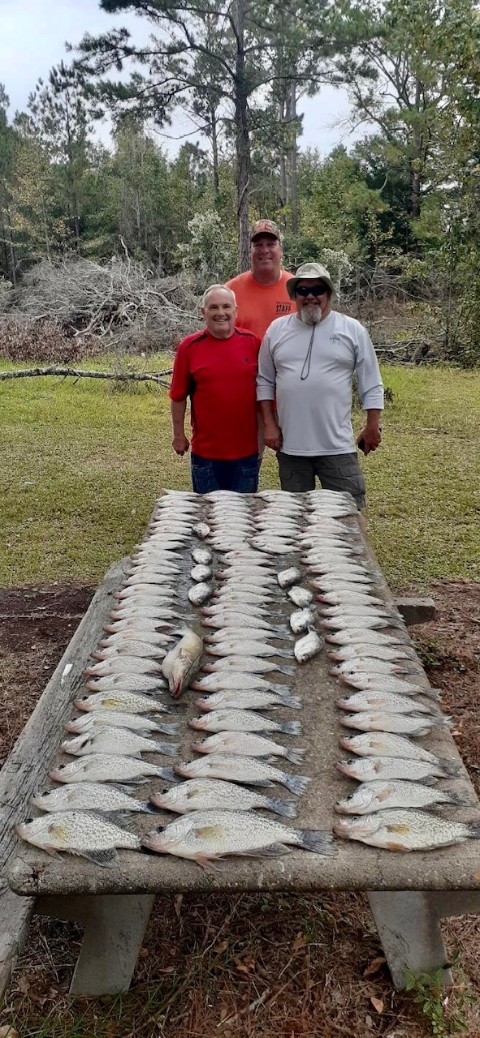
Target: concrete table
column 408, row 893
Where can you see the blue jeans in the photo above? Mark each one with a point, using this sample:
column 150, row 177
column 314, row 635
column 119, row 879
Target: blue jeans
column 240, row 475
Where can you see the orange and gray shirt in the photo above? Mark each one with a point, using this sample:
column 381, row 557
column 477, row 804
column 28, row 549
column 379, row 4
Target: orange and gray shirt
column 259, row 305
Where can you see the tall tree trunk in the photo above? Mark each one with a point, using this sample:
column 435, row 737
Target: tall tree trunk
column 214, row 139
column 418, row 157
column 242, row 138
column 291, row 113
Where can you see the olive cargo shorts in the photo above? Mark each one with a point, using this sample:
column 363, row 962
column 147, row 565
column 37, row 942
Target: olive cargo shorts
column 335, row 472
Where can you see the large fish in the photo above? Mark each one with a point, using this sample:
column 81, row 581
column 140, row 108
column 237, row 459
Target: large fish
column 386, row 744
column 78, row 832
column 235, row 720
column 404, row 830
column 88, row 796
column 182, row 662
column 103, row 767
column 383, row 795
column 414, row 725
column 108, row 739
column 209, row 835
column 207, row 794
column 247, row 744
column 252, row 700
column 368, row 769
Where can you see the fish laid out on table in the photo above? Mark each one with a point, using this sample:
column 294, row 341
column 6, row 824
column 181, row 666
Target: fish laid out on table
column 206, row 836
column 78, row 832
column 405, row 830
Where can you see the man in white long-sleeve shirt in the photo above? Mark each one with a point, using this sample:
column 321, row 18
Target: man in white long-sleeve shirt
column 306, row 364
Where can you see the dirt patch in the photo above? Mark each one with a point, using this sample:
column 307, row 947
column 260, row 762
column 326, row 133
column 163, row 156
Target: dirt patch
column 248, row 965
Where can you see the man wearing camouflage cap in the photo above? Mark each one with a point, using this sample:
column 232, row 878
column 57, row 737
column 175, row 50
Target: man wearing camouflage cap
column 261, row 292
column 306, row 364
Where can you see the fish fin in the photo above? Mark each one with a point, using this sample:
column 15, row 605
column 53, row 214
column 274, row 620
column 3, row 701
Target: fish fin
column 474, row 831
column 295, row 756
column 166, row 773
column 206, row 862
column 168, row 749
column 292, row 701
column 286, row 808
column 297, row 784
column 396, row 847
column 291, row 728
column 316, row 840
column 273, row 850
column 107, row 857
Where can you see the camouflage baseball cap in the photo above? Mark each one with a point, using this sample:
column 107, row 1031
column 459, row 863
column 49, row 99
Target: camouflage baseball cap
column 265, row 227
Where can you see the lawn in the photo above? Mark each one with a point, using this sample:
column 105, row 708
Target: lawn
column 82, row 463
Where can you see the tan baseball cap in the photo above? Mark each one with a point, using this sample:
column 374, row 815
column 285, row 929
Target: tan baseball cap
column 265, row 227
column 305, row 272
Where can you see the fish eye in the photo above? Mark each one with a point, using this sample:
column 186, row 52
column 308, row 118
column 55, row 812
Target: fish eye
column 160, row 828
column 27, row 820
column 61, row 767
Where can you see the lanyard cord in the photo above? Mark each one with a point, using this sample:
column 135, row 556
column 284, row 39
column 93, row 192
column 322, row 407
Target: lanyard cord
column 306, row 364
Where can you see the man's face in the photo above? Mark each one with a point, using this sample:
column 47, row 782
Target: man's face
column 266, row 255
column 311, row 307
column 219, row 313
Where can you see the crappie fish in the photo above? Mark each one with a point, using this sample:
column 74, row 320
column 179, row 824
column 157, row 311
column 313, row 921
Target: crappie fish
column 247, row 555
column 201, row 573
column 234, row 645
column 300, row 596
column 355, row 636
column 301, row 620
column 108, row 739
column 145, row 592
column 202, row 556
column 345, row 598
column 383, row 795
column 182, row 662
column 384, row 744
column 272, row 547
column 230, row 630
column 247, row 745
column 128, row 702
column 248, row 609
column 125, row 665
column 247, row 770
column 209, row 835
column 250, row 575
column 151, row 638
column 200, row 593
column 388, row 683
column 103, row 767
column 140, row 649
column 368, row 769
column 371, row 665
column 246, row 664
column 255, row 625
column 414, row 725
column 88, row 796
column 153, row 612
column 307, row 647
column 387, row 702
column 245, row 594
column 135, row 722
column 141, row 626
column 289, row 576
column 78, row 832
column 403, row 830
column 235, row 720
column 205, row 794
column 377, row 652
column 349, row 620
column 253, row 700
column 237, row 681
column 127, row 683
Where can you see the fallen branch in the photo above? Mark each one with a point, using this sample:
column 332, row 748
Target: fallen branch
column 76, row 373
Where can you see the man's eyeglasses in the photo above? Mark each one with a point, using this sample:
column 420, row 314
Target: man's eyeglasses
column 311, row 290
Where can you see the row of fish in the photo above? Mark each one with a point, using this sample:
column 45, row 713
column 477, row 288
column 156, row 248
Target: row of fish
column 132, row 666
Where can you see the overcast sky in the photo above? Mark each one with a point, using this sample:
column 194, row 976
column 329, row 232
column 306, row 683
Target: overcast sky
column 32, row 39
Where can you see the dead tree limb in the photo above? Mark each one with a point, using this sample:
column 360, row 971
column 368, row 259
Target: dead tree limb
column 157, row 377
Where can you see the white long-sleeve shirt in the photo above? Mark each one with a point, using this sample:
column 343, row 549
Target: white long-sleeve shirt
column 314, row 414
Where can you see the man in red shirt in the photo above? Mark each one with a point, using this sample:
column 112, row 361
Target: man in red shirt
column 261, row 292
column 217, row 368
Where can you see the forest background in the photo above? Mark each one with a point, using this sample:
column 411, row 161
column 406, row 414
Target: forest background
column 92, row 237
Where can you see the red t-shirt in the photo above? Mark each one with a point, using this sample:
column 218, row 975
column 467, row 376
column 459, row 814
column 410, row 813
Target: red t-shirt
column 219, row 376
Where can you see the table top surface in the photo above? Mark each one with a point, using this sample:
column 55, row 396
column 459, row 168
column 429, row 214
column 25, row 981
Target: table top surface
column 352, row 866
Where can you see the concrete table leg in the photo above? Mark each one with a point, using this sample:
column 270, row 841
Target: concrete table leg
column 115, row 925
column 409, row 929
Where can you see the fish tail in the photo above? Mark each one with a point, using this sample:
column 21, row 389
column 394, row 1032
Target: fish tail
column 297, row 784
column 473, row 832
column 316, row 840
column 168, row 774
column 169, row 749
column 449, row 766
column 167, row 729
column 292, row 701
column 287, row 808
column 291, row 728
column 295, row 756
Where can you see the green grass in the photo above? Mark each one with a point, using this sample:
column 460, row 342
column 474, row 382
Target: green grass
column 81, row 465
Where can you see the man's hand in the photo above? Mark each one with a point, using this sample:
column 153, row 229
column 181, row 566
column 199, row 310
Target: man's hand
column 369, row 439
column 180, row 444
column 272, row 436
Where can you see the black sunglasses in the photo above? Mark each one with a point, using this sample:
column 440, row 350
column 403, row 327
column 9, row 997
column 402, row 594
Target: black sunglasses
column 314, row 290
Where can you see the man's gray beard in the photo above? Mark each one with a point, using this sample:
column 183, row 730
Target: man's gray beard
column 311, row 316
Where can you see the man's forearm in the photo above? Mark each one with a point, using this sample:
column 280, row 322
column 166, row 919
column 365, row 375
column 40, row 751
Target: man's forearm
column 373, row 417
column 267, row 412
column 178, row 408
